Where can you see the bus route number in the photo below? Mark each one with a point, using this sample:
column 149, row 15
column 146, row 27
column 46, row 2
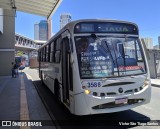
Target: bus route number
column 94, row 84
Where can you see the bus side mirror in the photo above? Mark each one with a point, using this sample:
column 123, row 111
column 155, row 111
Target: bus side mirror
column 71, row 56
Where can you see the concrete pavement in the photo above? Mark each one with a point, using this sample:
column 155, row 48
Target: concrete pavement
column 19, row 100
column 155, row 82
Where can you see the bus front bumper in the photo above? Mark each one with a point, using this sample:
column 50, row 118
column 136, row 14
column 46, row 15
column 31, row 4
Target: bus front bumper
column 89, row 104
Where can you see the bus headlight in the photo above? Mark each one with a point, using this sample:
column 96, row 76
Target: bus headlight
column 87, row 92
column 146, row 82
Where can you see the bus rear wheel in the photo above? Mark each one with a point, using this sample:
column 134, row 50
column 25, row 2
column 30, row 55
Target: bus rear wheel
column 57, row 91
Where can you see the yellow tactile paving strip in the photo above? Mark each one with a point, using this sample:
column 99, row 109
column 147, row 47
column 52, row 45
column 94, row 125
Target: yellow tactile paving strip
column 24, row 112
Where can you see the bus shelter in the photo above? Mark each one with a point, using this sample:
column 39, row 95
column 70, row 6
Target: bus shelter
column 8, row 10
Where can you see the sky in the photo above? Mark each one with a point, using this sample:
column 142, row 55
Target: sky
column 145, row 13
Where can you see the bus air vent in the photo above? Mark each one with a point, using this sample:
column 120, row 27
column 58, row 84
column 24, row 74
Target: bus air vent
column 118, row 83
column 140, row 88
column 113, row 105
column 135, row 90
column 95, row 94
column 128, row 91
column 107, row 105
column 111, row 93
column 102, row 94
column 134, row 101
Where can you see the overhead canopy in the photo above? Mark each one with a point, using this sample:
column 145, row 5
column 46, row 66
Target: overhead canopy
column 39, row 7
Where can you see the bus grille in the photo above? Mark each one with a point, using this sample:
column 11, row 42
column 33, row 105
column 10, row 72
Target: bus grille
column 112, row 94
column 113, row 105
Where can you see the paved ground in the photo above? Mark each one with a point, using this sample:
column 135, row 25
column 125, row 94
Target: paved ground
column 13, row 105
column 155, row 82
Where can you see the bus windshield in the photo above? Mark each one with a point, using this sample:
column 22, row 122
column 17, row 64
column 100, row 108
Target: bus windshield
column 109, row 56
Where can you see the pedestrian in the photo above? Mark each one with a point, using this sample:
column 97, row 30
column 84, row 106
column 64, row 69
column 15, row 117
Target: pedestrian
column 13, row 70
column 17, row 66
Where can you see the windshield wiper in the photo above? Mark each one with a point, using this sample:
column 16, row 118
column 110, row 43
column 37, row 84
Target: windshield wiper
column 107, row 49
column 109, row 52
column 95, row 37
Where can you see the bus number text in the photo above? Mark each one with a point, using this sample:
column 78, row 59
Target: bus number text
column 94, row 84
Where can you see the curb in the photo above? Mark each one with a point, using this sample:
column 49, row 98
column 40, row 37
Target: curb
column 155, row 85
column 4, row 77
column 57, row 125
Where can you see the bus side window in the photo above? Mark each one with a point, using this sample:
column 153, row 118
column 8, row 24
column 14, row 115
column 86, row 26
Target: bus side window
column 46, row 57
column 47, row 53
column 42, row 55
column 52, row 52
column 49, row 49
column 38, row 56
column 57, row 53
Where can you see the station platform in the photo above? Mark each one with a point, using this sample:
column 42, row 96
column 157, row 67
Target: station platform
column 19, row 101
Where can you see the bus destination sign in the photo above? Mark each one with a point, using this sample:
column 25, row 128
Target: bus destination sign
column 106, row 27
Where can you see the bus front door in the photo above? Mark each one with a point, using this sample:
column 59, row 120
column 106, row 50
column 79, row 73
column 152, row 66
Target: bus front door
column 65, row 71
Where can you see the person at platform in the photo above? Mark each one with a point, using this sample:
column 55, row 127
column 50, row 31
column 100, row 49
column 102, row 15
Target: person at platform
column 14, row 70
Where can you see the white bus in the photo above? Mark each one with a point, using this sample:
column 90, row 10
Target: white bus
column 96, row 66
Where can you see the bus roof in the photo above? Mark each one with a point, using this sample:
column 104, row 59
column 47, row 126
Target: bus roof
column 73, row 23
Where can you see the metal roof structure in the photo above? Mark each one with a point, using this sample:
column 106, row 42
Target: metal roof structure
column 39, row 7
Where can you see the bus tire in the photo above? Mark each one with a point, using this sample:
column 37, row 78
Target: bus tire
column 57, row 90
column 42, row 81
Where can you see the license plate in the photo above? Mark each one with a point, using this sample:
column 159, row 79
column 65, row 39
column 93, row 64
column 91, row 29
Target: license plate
column 121, row 100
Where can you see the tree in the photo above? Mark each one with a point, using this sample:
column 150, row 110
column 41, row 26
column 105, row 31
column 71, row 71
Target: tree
column 19, row 53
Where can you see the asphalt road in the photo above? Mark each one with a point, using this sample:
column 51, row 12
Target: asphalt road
column 64, row 119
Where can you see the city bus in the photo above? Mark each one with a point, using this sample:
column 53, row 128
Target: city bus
column 96, row 66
